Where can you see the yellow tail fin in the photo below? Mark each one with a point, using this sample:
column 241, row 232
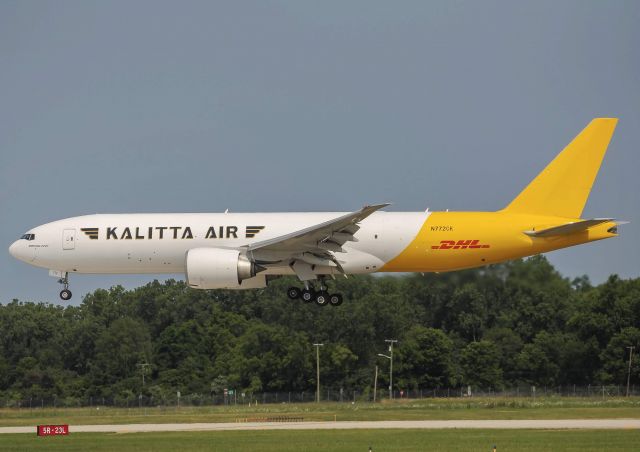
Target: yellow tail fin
column 563, row 187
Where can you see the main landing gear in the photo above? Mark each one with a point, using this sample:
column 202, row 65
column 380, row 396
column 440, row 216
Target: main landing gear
column 65, row 294
column 322, row 297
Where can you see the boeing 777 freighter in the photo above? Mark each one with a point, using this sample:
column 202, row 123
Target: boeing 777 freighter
column 246, row 250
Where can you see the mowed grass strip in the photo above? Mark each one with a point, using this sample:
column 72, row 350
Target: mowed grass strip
column 424, row 409
column 336, row 440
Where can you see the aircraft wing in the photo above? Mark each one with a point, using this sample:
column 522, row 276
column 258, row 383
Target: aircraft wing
column 568, row 228
column 314, row 245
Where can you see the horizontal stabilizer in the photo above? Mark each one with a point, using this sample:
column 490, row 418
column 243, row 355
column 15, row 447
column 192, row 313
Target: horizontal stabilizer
column 568, row 228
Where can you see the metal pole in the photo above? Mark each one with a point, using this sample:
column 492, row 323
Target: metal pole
column 631, row 347
column 391, row 341
column 143, row 369
column 317, row 346
column 391, row 373
column 375, row 385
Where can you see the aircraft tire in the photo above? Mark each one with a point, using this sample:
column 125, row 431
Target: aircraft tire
column 293, row 293
column 322, row 298
column 308, row 295
column 65, row 294
column 335, row 299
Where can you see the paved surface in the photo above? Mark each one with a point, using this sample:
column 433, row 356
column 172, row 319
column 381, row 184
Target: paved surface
column 479, row 424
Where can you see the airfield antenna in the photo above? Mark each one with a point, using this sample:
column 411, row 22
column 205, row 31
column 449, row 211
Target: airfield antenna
column 317, row 346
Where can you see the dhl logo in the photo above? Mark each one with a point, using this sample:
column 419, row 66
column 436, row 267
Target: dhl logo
column 460, row 244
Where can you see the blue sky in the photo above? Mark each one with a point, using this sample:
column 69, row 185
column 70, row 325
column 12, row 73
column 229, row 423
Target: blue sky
column 298, row 106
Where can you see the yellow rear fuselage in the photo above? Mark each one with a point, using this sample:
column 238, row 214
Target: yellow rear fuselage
column 457, row 240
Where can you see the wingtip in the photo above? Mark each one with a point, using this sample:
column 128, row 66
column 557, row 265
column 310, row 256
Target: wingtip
column 377, row 206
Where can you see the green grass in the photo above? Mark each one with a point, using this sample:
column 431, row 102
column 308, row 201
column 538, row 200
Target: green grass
column 427, row 409
column 337, row 440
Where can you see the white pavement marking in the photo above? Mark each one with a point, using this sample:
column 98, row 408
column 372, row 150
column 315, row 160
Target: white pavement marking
column 554, row 424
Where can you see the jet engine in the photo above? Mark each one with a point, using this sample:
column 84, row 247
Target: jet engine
column 218, row 268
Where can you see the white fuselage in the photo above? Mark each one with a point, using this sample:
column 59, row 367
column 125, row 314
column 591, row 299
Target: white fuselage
column 158, row 243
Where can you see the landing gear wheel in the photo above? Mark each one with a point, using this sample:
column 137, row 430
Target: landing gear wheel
column 308, row 295
column 293, row 293
column 335, row 299
column 322, row 298
column 65, row 294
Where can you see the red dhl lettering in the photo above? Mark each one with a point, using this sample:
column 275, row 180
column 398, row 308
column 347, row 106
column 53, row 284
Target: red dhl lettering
column 458, row 245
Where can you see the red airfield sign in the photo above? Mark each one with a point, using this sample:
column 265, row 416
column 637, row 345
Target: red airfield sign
column 52, row 430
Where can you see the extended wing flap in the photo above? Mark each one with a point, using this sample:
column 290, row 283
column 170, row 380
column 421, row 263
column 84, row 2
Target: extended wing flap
column 318, row 237
column 568, row 228
column 315, row 245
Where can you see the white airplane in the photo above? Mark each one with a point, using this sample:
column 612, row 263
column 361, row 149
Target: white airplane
column 246, row 250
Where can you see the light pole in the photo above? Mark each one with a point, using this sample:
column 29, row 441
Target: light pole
column 375, row 384
column 390, row 375
column 391, row 342
column 631, row 347
column 390, row 358
column 317, row 346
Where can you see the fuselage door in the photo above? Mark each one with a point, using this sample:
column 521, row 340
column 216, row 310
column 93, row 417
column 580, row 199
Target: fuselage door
column 69, row 239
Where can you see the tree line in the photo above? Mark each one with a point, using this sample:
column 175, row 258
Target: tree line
column 514, row 323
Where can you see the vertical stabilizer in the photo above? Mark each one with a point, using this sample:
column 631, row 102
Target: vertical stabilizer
column 563, row 187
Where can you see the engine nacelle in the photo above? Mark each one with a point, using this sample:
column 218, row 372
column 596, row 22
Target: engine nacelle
column 218, row 268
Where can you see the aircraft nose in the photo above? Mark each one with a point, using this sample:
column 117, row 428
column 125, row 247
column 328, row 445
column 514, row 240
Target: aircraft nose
column 13, row 249
column 18, row 251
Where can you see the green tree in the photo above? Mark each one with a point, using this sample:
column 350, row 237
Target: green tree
column 119, row 348
column 515, row 322
column 480, row 364
column 615, row 357
column 424, row 359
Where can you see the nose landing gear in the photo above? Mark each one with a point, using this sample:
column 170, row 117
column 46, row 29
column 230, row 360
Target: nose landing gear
column 65, row 294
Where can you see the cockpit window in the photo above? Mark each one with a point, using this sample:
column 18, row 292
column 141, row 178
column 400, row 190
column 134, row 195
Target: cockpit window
column 28, row 237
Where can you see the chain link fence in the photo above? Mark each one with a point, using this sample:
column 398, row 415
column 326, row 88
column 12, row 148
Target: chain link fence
column 233, row 397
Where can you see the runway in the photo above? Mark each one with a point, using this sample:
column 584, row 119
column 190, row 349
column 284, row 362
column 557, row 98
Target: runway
column 540, row 424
